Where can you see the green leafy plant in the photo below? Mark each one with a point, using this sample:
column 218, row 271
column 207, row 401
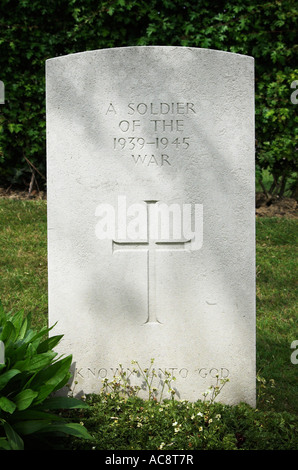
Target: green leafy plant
column 154, row 382
column 30, row 373
column 214, row 390
column 130, row 423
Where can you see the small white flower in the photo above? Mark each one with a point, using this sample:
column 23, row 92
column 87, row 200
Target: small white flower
column 200, row 414
column 175, row 424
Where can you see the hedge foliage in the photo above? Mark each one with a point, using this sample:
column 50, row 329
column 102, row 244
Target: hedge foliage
column 31, row 31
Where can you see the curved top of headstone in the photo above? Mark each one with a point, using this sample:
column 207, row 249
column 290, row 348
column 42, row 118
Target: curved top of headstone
column 151, row 49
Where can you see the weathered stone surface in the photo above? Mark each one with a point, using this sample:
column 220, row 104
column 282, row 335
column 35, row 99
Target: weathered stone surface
column 129, row 131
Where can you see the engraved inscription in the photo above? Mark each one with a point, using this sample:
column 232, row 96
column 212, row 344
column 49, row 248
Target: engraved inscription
column 152, row 134
column 138, row 143
column 148, row 160
column 179, row 372
column 161, row 108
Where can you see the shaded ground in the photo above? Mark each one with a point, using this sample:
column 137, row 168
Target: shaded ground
column 18, row 194
column 276, row 207
column 265, row 207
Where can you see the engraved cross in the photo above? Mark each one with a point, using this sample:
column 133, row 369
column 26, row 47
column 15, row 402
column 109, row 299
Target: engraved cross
column 150, row 247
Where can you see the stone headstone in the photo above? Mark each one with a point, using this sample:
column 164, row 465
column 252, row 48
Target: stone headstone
column 151, row 216
column 2, row 93
column 2, row 353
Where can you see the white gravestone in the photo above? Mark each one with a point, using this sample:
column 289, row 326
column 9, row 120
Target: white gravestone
column 2, row 92
column 151, row 238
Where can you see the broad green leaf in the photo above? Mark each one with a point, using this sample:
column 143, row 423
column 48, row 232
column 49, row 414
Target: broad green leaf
column 63, row 382
column 15, row 353
column 55, row 403
column 4, row 444
column 8, row 332
column 32, row 414
column 7, row 376
column 49, row 343
column 23, row 329
column 36, row 363
column 49, row 380
column 17, row 319
column 73, row 429
column 32, row 426
column 7, row 405
column 36, row 335
column 29, row 336
column 24, row 399
column 15, row 441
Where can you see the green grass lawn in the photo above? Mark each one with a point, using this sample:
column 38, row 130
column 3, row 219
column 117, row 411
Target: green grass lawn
column 23, row 285
column 23, row 257
column 277, row 320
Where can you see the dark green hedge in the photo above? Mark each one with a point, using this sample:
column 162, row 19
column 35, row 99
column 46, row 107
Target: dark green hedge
column 32, row 31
